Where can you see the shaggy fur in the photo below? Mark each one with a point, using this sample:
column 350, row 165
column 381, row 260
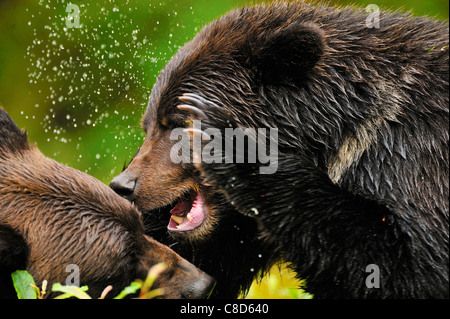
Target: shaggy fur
column 52, row 216
column 363, row 167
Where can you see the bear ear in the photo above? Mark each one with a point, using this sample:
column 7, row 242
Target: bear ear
column 12, row 139
column 286, row 52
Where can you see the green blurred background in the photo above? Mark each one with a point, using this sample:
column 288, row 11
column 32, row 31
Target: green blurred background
column 81, row 92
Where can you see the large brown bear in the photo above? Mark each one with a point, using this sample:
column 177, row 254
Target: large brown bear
column 53, row 216
column 358, row 199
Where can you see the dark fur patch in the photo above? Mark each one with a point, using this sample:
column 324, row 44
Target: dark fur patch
column 53, row 216
column 362, row 115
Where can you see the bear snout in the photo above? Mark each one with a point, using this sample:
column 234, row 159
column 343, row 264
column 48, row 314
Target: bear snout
column 124, row 185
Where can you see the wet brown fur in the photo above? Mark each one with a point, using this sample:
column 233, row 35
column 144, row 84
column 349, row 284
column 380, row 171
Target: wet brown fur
column 61, row 216
column 367, row 108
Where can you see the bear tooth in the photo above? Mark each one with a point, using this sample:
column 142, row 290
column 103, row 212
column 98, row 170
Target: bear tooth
column 189, row 217
column 177, row 219
column 255, row 211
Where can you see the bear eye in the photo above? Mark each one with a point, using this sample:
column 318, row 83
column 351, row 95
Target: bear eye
column 173, row 121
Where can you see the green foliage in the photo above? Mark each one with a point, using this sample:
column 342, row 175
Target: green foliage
column 26, row 287
column 71, row 291
column 145, row 286
column 133, row 288
column 153, row 274
column 279, row 283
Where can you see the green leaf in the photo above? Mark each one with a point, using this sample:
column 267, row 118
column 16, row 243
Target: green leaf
column 294, row 293
column 71, row 291
column 153, row 294
column 23, row 282
column 131, row 289
column 153, row 274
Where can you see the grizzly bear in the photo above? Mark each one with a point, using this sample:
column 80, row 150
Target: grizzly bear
column 54, row 218
column 358, row 200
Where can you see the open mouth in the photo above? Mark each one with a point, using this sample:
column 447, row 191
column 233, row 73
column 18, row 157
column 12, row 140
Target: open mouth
column 188, row 213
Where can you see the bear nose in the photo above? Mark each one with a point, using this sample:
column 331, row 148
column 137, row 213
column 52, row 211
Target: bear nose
column 123, row 185
column 200, row 289
column 195, row 283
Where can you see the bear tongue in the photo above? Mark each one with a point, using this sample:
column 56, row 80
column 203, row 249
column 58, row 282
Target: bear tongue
column 188, row 214
column 183, row 206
